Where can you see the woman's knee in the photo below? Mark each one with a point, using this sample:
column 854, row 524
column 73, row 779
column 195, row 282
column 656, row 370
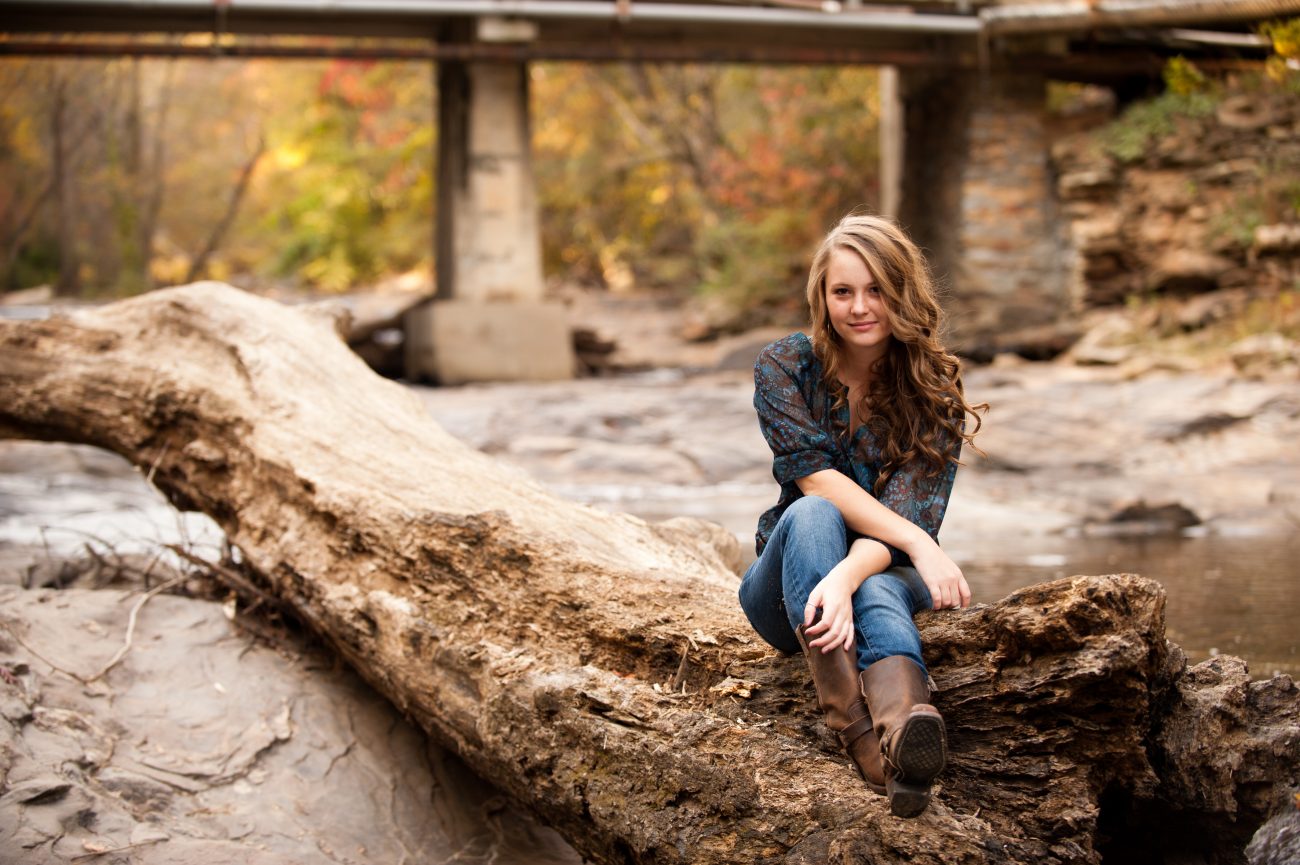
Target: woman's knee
column 813, row 525
column 884, row 590
column 898, row 589
column 809, row 511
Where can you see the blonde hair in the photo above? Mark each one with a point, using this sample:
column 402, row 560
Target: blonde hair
column 915, row 406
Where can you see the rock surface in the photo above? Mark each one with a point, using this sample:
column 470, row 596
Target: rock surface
column 1278, row 841
column 204, row 746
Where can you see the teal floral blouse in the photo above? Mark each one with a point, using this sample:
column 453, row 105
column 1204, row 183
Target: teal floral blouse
column 807, row 433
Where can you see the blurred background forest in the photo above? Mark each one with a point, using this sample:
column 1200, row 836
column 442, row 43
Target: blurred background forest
column 122, row 175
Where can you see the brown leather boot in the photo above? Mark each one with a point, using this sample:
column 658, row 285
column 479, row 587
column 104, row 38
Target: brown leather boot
column 835, row 676
column 913, row 743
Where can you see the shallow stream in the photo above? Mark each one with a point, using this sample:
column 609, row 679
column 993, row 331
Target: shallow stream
column 1235, row 595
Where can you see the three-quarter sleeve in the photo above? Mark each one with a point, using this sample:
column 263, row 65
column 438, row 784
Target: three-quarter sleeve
column 800, row 447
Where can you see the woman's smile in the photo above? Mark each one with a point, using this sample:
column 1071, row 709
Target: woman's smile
column 855, row 307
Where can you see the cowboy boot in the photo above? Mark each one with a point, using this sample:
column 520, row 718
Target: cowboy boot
column 835, row 676
column 913, row 743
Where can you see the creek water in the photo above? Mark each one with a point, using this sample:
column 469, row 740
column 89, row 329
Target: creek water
column 1229, row 594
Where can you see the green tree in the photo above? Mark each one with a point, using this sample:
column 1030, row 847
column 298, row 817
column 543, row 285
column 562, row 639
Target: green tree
column 349, row 192
column 699, row 177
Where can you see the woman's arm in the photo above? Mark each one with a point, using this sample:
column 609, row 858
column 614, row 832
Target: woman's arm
column 834, row 595
column 862, row 512
column 867, row 516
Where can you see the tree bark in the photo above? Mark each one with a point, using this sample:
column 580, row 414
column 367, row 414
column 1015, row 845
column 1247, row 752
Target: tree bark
column 596, row 667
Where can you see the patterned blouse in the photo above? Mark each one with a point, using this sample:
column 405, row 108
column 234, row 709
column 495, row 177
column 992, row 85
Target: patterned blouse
column 806, row 431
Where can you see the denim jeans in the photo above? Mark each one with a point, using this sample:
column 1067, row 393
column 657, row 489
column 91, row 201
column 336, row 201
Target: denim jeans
column 809, row 540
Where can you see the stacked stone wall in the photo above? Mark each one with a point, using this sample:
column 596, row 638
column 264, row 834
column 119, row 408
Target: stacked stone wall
column 1012, row 274
column 979, row 194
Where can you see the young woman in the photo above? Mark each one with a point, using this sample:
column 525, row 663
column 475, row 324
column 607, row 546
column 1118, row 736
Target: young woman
column 865, row 419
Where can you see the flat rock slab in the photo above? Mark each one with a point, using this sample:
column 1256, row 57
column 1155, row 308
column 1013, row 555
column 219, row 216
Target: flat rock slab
column 203, row 746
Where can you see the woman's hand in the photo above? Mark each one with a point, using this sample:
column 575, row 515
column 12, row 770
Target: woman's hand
column 834, row 595
column 948, row 587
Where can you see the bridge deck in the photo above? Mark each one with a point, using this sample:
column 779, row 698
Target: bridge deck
column 933, row 32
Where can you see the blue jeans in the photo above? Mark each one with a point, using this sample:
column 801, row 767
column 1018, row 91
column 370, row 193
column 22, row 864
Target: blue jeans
column 809, row 540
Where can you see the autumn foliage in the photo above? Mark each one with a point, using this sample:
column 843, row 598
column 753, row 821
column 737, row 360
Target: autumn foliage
column 121, row 175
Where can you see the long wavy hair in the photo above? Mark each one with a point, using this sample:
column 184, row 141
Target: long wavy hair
column 915, row 406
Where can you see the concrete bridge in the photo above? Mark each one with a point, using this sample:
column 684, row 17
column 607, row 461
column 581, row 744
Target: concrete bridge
column 963, row 127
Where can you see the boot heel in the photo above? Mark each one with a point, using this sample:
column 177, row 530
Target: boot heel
column 913, row 742
column 922, row 749
column 907, row 799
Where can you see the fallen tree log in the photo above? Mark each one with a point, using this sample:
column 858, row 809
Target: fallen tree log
column 596, row 667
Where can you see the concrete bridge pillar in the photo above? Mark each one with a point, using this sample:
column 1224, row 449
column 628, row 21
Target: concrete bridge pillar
column 979, row 196
column 892, row 140
column 488, row 320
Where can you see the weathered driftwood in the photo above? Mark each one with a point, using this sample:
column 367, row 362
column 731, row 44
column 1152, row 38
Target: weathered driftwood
column 597, row 667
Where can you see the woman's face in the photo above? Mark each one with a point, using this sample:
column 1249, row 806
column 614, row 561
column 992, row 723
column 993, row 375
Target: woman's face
column 855, row 307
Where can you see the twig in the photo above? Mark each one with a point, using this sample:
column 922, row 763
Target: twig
column 49, row 557
column 85, row 534
column 130, row 627
column 232, row 578
column 153, row 468
column 93, row 853
column 44, row 660
column 99, row 565
column 148, row 571
column 678, row 678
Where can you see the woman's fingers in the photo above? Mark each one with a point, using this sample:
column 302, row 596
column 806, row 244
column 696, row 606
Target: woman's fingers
column 810, row 610
column 828, row 624
column 834, row 638
column 837, row 627
column 936, row 594
column 949, row 593
column 836, row 644
column 947, row 585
